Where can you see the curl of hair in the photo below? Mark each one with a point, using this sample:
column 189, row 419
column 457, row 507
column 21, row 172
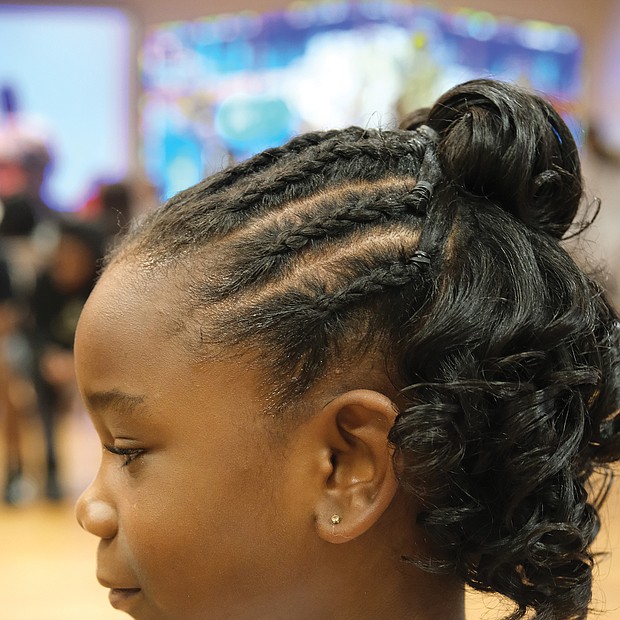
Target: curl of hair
column 510, row 147
column 512, row 404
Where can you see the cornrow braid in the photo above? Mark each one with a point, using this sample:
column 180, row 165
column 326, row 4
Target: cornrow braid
column 325, row 312
column 200, row 213
column 376, row 281
column 440, row 220
column 322, row 164
column 264, row 255
column 360, row 209
column 269, row 157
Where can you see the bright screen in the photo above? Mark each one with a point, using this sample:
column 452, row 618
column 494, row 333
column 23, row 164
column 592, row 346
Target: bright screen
column 222, row 88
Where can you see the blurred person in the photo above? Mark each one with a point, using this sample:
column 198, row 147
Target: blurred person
column 113, row 205
column 110, row 208
column 28, row 231
column 60, row 292
column 25, row 160
column 598, row 249
column 27, row 222
column 8, row 409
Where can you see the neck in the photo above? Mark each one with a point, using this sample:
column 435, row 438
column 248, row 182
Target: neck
column 370, row 580
column 368, row 592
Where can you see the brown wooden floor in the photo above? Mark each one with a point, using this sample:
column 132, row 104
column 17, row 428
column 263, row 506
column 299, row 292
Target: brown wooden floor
column 47, row 563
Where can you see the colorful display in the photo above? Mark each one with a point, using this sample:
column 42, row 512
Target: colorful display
column 223, row 88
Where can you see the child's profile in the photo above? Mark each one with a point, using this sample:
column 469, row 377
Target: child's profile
column 350, row 375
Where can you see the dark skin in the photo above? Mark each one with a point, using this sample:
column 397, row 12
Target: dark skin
column 217, row 511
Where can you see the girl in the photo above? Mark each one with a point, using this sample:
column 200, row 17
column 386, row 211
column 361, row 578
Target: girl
column 346, row 377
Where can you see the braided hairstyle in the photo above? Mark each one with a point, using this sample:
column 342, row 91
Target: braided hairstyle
column 436, row 248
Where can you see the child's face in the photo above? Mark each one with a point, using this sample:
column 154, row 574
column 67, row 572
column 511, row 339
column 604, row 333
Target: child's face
column 200, row 517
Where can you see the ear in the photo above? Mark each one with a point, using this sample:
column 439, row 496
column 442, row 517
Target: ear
column 358, row 480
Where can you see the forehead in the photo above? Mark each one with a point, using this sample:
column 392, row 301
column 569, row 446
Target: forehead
column 126, row 342
column 127, row 313
column 120, row 295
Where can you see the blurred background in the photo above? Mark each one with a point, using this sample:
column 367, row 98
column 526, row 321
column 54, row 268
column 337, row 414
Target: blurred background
column 108, row 108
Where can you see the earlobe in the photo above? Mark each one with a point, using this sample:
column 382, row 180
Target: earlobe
column 361, row 482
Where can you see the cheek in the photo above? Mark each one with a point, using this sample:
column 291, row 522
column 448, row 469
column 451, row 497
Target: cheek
column 220, row 546
column 202, row 519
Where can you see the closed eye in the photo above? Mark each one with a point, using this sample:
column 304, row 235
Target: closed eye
column 130, row 454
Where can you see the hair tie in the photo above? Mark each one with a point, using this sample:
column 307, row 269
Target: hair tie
column 429, row 172
column 420, row 258
column 423, row 190
column 421, row 195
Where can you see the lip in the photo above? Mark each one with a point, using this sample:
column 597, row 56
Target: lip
column 123, row 598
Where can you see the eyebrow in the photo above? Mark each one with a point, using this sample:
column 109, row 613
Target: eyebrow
column 120, row 401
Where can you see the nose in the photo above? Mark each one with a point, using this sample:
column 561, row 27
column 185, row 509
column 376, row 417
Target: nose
column 96, row 514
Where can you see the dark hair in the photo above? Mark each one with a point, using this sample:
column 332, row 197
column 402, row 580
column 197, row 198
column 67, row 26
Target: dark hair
column 434, row 247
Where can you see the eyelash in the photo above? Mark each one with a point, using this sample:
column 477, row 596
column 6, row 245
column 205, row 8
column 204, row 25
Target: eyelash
column 130, row 454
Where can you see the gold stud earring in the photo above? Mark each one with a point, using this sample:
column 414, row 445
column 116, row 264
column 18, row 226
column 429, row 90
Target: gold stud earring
column 335, row 519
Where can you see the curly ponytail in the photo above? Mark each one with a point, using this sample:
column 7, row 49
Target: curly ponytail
column 515, row 396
